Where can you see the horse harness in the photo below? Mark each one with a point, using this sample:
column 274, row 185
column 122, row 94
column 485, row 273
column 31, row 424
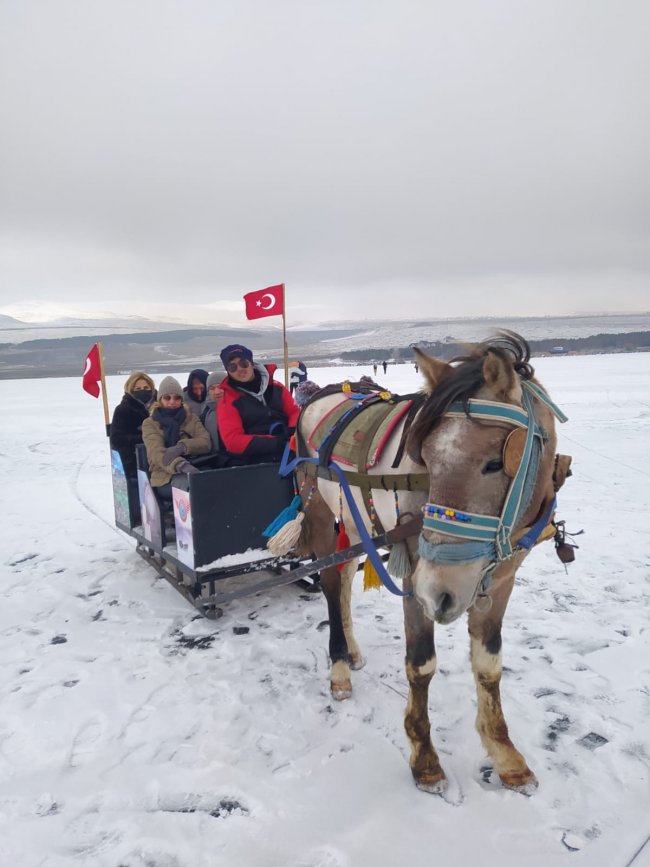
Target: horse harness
column 357, row 429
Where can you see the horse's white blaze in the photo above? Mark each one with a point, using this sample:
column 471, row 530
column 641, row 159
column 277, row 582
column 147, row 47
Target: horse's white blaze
column 448, row 449
column 437, row 585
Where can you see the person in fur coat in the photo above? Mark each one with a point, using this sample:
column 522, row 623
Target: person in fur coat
column 171, row 434
column 126, row 426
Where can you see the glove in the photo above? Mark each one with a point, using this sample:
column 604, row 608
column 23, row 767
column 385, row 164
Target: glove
column 187, row 467
column 173, row 452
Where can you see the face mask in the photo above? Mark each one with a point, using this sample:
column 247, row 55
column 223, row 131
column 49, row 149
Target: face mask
column 144, row 395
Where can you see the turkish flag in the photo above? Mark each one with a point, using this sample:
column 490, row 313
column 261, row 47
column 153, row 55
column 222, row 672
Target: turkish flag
column 92, row 372
column 266, row 302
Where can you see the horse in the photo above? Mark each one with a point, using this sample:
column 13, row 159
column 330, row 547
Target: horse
column 473, row 455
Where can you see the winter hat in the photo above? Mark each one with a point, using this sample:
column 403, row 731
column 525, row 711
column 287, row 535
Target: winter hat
column 305, row 391
column 170, row 385
column 235, row 350
column 214, row 379
column 134, row 377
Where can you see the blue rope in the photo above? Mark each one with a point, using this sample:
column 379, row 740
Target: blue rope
column 287, row 466
column 535, row 531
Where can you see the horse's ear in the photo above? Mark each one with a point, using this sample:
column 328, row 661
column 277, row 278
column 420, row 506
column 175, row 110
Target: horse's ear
column 433, row 369
column 500, row 375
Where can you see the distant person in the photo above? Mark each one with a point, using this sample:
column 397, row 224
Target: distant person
column 209, row 414
column 305, row 391
column 256, row 415
column 129, row 414
column 374, row 370
column 416, row 367
column 297, row 374
column 171, row 434
column 195, row 393
column 294, row 377
column 384, row 365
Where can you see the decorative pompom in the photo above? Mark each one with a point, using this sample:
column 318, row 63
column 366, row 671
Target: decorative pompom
column 342, row 542
column 371, row 581
column 399, row 562
column 286, row 538
column 286, row 515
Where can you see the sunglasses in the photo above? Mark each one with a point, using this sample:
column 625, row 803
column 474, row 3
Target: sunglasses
column 232, row 366
column 175, row 397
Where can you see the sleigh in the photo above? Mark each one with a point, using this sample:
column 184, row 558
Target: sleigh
column 208, row 543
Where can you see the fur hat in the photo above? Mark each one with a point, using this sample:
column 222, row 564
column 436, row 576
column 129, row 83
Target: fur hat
column 235, row 350
column 214, row 379
column 134, row 377
column 170, row 385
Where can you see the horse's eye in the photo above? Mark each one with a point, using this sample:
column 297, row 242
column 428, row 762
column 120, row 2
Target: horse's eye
column 493, row 466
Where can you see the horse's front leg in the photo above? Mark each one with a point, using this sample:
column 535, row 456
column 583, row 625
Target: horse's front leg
column 420, row 668
column 485, row 652
column 340, row 683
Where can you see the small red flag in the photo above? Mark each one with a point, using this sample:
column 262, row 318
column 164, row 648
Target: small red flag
column 265, row 302
column 92, row 372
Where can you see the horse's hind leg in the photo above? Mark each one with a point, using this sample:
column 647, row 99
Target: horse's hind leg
column 485, row 652
column 347, row 576
column 420, row 668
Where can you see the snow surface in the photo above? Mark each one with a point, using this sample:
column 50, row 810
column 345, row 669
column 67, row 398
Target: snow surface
column 134, row 733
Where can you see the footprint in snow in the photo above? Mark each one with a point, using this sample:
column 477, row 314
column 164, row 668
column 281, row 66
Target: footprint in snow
column 85, row 742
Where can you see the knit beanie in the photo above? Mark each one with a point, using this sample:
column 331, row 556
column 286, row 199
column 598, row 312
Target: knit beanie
column 235, row 350
column 214, row 379
column 305, row 391
column 169, row 385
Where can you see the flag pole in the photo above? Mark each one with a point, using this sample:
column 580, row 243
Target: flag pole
column 100, row 352
column 284, row 341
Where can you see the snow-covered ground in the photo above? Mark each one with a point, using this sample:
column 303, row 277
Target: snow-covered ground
column 133, row 733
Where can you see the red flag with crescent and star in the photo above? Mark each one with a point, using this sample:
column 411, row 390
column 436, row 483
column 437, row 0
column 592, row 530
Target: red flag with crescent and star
column 265, row 302
column 92, row 372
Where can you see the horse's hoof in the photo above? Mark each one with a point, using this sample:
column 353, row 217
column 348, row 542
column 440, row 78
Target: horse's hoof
column 525, row 783
column 439, row 787
column 357, row 662
column 433, row 784
column 341, row 691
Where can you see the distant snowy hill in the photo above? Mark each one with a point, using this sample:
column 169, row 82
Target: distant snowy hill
column 58, row 348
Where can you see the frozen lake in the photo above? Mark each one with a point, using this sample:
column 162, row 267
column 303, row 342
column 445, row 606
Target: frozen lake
column 135, row 734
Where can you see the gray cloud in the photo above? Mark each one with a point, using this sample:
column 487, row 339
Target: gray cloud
column 447, row 155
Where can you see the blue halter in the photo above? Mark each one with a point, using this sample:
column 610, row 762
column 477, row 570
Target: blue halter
column 488, row 537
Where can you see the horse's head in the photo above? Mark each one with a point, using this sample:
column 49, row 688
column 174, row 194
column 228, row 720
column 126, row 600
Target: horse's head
column 462, row 436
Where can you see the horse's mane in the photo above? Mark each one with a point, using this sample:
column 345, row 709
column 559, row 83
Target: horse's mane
column 463, row 380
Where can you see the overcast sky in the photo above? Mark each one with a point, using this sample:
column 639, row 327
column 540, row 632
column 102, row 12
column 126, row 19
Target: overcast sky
column 397, row 159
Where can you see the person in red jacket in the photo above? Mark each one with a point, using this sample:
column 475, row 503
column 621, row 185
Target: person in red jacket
column 256, row 416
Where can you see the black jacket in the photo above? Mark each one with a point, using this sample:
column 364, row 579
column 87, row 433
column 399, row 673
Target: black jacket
column 126, row 430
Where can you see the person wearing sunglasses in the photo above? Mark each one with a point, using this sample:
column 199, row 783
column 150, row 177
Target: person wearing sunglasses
column 256, row 415
column 171, row 434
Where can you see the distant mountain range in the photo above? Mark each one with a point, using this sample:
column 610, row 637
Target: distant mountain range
column 59, row 348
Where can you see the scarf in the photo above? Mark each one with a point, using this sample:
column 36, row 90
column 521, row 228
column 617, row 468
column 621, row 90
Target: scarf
column 170, row 421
